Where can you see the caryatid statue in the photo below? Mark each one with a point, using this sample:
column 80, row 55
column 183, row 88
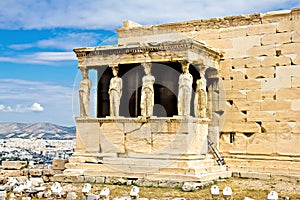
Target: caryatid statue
column 115, row 93
column 200, row 101
column 147, row 98
column 84, row 93
column 185, row 90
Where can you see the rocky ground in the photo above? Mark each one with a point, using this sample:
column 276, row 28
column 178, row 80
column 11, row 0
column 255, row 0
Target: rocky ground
column 255, row 189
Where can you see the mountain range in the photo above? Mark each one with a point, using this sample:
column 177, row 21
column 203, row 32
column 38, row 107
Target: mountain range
column 36, row 131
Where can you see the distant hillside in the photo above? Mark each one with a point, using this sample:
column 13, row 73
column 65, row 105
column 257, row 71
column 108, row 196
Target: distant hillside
column 36, row 131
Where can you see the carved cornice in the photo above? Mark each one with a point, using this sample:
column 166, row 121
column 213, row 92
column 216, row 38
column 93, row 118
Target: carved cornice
column 150, row 52
column 182, row 45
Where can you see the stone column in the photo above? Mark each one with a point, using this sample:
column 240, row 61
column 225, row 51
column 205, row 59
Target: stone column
column 84, row 92
column 115, row 92
column 185, row 90
column 200, row 101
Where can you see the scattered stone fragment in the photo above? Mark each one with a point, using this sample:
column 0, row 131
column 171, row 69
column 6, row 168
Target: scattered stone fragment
column 71, row 196
column 134, row 193
column 190, row 186
column 227, row 193
column 104, row 194
column 86, row 188
column 273, row 195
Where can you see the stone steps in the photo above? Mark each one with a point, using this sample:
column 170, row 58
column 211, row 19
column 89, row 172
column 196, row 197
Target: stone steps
column 264, row 166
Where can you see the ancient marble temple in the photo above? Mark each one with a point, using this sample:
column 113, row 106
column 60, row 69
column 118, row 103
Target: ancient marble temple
column 165, row 92
column 154, row 107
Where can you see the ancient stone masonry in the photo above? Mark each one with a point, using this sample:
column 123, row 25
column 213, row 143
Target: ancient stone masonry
column 245, row 89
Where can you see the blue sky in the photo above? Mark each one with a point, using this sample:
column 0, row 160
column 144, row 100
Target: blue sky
column 38, row 69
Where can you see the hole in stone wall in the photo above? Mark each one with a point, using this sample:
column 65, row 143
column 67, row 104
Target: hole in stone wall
column 232, row 67
column 246, row 77
column 259, row 77
column 248, row 134
column 278, row 53
column 231, row 78
column 232, row 137
column 274, row 97
column 230, row 102
column 263, row 130
column 244, row 112
column 274, row 75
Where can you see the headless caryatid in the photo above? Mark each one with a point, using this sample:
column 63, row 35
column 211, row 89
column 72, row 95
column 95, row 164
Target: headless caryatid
column 84, row 93
column 185, row 90
column 115, row 93
column 200, row 102
column 147, row 98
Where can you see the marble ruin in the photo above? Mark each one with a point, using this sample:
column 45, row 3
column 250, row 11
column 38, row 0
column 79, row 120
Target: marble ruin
column 240, row 72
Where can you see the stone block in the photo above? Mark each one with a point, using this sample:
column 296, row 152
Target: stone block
column 255, row 95
column 288, row 93
column 269, row 61
column 245, row 127
column 288, row 26
column 279, row 82
column 288, row 144
column 35, row 172
column 87, row 136
column 48, row 172
column 241, row 46
column 246, row 62
column 139, row 141
column 276, row 127
column 233, row 32
column 276, row 16
column 296, row 36
column 245, row 84
column 73, row 172
column 274, row 105
column 296, row 128
column 256, row 175
column 287, row 72
column 13, row 164
column 288, row 116
column 225, row 64
column 220, row 43
column 59, row 164
column 259, row 116
column 296, row 61
column 278, row 38
column 100, row 179
column 208, row 34
column 261, row 29
column 112, row 138
column 296, row 104
column 10, row 173
column 237, row 74
column 235, row 94
column 246, row 105
column 289, row 48
column 266, row 72
column 255, row 51
column 235, row 116
column 262, row 143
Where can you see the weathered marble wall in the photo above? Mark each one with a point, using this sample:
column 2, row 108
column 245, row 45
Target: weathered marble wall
column 260, row 70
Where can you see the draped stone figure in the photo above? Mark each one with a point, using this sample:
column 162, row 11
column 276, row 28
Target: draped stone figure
column 147, row 97
column 115, row 93
column 84, row 93
column 185, row 90
column 200, row 101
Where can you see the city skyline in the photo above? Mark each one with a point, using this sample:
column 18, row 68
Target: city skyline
column 39, row 76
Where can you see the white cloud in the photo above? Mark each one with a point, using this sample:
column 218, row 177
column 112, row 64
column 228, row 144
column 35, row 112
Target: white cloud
column 46, row 58
column 36, row 107
column 35, row 101
column 90, row 14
